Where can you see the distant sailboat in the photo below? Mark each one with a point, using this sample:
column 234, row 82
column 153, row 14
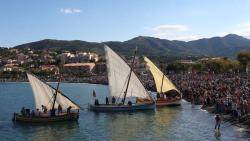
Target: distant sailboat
column 168, row 94
column 49, row 97
column 124, row 86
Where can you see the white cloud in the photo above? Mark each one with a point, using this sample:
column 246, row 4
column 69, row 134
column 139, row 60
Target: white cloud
column 70, row 10
column 173, row 32
column 187, row 37
column 184, row 33
column 163, row 30
column 168, row 27
column 242, row 29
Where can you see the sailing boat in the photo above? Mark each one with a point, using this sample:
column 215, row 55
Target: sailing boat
column 167, row 93
column 48, row 97
column 125, row 88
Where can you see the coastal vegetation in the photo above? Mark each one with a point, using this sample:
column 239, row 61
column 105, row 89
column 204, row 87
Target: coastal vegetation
column 215, row 65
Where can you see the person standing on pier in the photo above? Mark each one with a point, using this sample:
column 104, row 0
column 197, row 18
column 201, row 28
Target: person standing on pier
column 217, row 122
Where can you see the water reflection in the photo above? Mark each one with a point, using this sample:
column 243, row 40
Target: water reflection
column 128, row 126
column 164, row 119
column 42, row 132
column 144, row 125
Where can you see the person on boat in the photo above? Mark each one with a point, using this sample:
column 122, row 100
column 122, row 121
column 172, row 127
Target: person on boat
column 23, row 111
column 122, row 101
column 164, row 96
column 129, row 103
column 27, row 112
column 217, row 122
column 113, row 100
column 59, row 109
column 161, row 95
column 107, row 101
column 96, row 101
column 33, row 113
column 37, row 112
column 52, row 112
column 68, row 109
column 44, row 108
column 158, row 96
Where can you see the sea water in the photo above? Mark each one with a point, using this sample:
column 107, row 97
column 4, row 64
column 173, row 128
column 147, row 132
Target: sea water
column 183, row 123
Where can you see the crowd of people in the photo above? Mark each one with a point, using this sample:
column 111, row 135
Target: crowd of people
column 229, row 93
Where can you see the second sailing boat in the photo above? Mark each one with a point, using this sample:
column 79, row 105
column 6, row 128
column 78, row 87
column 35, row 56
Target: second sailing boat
column 167, row 93
column 126, row 92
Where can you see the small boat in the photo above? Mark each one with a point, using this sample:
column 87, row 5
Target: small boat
column 46, row 118
column 47, row 96
column 125, row 88
column 167, row 93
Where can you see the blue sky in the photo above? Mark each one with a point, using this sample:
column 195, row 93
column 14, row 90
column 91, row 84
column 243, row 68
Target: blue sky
column 24, row 21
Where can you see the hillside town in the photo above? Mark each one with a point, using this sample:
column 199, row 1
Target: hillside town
column 73, row 66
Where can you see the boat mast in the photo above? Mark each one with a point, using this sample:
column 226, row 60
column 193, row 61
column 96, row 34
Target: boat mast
column 131, row 70
column 162, row 76
column 57, row 88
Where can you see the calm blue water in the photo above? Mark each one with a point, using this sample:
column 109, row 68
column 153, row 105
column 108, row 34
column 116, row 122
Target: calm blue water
column 182, row 123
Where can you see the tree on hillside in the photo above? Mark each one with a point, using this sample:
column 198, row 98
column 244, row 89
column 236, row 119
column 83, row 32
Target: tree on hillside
column 244, row 58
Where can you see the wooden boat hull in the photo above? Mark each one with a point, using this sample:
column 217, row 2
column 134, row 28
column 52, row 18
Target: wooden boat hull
column 163, row 102
column 58, row 118
column 117, row 108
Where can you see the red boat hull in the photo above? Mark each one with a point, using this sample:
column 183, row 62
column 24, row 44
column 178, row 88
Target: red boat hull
column 164, row 102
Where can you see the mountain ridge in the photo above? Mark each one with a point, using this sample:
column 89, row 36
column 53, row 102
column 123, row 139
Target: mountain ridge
column 226, row 46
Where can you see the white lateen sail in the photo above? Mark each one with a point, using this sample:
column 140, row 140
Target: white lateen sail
column 118, row 72
column 43, row 95
column 166, row 85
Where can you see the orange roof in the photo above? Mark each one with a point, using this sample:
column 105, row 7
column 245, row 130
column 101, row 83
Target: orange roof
column 91, row 65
